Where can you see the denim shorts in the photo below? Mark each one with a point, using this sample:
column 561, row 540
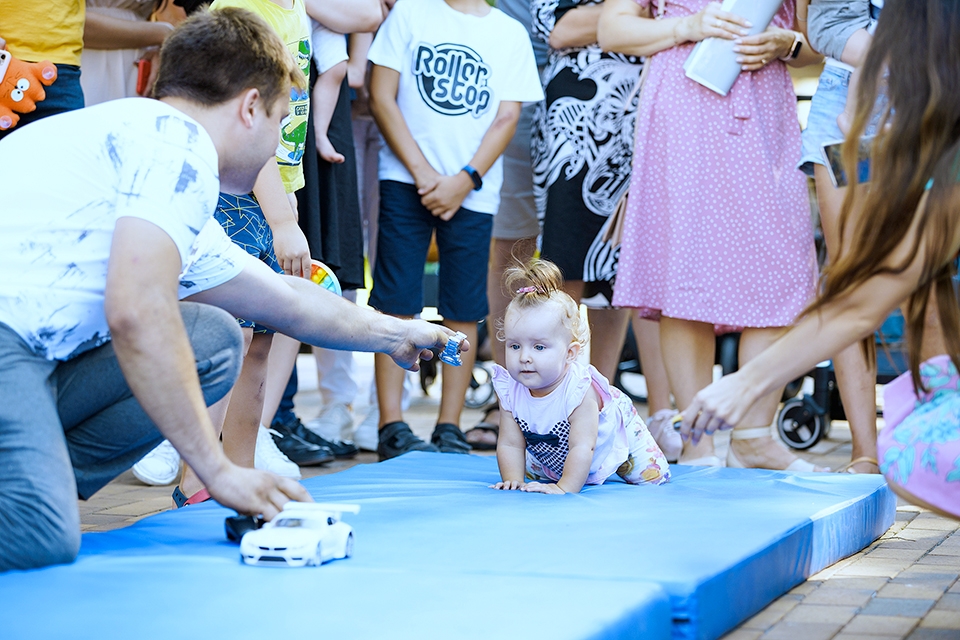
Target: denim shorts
column 242, row 218
column 828, row 103
column 403, row 239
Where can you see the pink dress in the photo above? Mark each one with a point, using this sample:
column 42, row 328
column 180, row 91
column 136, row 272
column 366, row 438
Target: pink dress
column 718, row 222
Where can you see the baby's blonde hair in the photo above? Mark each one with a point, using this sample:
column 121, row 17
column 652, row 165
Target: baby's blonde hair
column 536, row 283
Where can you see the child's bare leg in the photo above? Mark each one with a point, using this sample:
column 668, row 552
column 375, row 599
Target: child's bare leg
column 389, row 378
column 326, row 92
column 189, row 482
column 283, row 358
column 243, row 415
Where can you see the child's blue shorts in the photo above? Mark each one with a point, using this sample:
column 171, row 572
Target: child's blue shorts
column 402, row 244
column 242, row 218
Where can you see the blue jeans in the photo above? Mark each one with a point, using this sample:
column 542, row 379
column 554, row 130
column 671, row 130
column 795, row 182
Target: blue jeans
column 68, row 428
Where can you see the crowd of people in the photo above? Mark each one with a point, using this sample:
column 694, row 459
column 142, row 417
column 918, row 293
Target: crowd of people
column 183, row 228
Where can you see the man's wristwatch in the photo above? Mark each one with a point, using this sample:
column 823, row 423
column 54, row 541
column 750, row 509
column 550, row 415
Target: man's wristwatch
column 794, row 48
column 475, row 176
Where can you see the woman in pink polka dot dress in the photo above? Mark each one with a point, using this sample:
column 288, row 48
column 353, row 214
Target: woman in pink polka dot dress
column 718, row 228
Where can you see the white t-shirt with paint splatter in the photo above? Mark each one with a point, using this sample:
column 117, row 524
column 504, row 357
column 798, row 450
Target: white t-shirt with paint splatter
column 66, row 180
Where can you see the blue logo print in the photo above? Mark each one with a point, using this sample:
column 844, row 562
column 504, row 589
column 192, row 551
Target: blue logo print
column 452, row 79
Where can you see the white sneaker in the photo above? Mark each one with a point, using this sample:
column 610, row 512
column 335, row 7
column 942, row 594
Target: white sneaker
column 159, row 467
column 334, row 423
column 269, row 458
column 668, row 439
column 367, row 435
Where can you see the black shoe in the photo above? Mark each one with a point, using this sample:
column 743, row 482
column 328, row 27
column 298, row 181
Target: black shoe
column 396, row 439
column 449, row 439
column 301, row 451
column 341, row 450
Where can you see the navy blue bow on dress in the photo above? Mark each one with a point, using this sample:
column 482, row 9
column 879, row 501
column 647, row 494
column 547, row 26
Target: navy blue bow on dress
column 550, row 439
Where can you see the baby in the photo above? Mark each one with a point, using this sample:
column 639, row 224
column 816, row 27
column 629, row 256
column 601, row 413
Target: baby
column 562, row 424
column 330, row 56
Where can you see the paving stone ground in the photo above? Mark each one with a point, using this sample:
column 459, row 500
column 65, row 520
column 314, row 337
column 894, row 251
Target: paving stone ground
column 904, row 585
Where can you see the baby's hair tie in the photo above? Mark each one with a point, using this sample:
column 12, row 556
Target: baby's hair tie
column 526, row 290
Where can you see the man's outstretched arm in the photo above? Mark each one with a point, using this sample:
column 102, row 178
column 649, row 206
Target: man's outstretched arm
column 154, row 353
column 302, row 310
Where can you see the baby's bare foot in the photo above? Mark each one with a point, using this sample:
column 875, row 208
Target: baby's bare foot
column 326, row 150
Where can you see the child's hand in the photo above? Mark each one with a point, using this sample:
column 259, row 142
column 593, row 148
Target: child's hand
column 509, row 485
column 539, row 487
column 292, row 250
column 447, row 195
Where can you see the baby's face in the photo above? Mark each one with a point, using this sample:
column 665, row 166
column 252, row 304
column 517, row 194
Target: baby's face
column 539, row 347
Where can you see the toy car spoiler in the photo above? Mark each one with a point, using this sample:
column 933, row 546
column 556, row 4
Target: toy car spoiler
column 332, row 507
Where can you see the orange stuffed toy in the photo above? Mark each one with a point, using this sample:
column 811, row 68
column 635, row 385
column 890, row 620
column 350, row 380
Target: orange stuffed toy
column 21, row 87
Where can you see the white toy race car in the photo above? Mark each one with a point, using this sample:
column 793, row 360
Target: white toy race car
column 304, row 533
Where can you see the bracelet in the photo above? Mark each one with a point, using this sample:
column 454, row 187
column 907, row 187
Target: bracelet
column 474, row 176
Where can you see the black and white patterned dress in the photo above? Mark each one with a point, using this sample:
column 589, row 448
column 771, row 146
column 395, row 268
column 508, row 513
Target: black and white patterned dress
column 582, row 146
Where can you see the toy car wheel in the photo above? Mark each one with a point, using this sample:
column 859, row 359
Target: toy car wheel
column 348, row 547
column 318, row 558
column 800, row 427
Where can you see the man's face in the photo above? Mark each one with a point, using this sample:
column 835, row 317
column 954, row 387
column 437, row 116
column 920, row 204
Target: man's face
column 259, row 145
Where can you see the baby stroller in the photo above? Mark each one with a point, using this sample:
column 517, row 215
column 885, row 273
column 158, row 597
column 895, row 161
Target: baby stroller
column 803, row 421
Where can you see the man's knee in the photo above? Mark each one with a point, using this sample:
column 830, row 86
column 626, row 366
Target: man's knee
column 37, row 532
column 217, row 346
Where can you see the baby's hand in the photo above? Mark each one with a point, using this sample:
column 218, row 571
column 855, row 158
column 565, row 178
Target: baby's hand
column 539, row 487
column 509, row 485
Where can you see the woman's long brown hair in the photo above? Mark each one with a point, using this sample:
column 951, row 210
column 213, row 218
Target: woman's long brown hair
column 914, row 61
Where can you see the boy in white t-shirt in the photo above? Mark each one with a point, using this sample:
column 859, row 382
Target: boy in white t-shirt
column 448, row 81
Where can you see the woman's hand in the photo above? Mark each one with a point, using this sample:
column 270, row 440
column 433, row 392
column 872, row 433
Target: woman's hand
column 720, row 406
column 712, row 22
column 755, row 52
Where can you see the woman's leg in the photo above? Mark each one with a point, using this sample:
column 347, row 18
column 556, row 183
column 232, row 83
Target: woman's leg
column 608, row 327
column 647, row 334
column 689, row 369
column 855, row 379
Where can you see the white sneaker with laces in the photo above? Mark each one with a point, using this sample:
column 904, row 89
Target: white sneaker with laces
column 668, row 439
column 269, row 458
column 334, row 423
column 159, row 467
column 367, row 435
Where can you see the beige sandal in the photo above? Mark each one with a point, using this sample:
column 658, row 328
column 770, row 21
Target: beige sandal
column 798, row 464
column 848, row 468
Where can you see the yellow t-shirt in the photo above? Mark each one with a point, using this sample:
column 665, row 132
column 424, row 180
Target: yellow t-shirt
column 36, row 31
column 293, row 27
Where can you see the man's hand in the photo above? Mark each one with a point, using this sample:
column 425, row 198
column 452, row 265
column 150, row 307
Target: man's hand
column 254, row 492
column 446, row 196
column 419, row 337
column 509, row 485
column 541, row 487
column 291, row 248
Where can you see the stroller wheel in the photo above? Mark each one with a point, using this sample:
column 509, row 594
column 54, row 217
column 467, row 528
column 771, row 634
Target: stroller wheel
column 800, row 425
column 480, row 392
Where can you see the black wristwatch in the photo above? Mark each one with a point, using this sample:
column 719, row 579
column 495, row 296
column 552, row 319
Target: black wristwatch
column 475, row 176
column 794, row 49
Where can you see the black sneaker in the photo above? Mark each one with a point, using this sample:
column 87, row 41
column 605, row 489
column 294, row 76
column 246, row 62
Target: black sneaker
column 396, row 439
column 298, row 449
column 341, row 450
column 449, row 439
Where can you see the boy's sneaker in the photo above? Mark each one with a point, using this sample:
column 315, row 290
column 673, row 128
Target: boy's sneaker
column 660, row 426
column 396, row 439
column 297, row 431
column 159, row 467
column 365, row 436
column 269, row 458
column 335, row 423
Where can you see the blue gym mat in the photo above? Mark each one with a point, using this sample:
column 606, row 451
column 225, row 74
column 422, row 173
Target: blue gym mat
column 439, row 555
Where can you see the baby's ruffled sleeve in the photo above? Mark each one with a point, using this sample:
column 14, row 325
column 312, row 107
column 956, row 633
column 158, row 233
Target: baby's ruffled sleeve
column 503, row 384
